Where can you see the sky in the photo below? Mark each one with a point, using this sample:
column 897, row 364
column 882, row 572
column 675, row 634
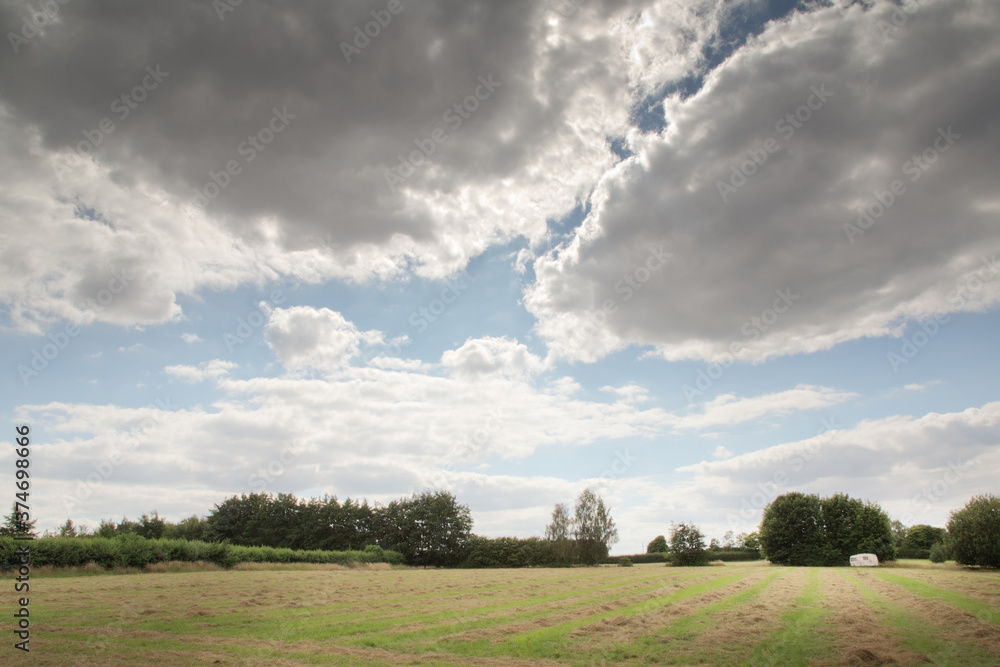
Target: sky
column 692, row 254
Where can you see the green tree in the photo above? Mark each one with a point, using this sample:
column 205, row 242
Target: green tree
column 657, row 546
column 67, row 529
column 106, row 529
column 192, row 529
column 800, row 529
column 919, row 541
column 559, row 534
column 751, row 541
column 431, row 528
column 257, row 519
column 151, row 527
column 14, row 524
column 593, row 528
column 899, row 532
column 873, row 532
column 840, row 513
column 687, row 545
column 791, row 531
column 974, row 532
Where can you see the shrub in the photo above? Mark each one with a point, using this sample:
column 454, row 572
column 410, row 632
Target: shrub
column 733, row 555
column 625, row 562
column 975, row 532
column 638, row 558
column 507, row 552
column 938, row 553
column 131, row 550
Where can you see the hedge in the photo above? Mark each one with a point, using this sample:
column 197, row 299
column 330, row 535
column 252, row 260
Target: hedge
column 136, row 551
column 508, row 552
column 730, row 555
column 638, row 558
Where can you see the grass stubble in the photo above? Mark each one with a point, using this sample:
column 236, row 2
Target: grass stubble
column 739, row 614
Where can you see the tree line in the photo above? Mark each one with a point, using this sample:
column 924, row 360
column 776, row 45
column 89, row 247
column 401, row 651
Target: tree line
column 430, row 528
column 804, row 529
column 434, row 529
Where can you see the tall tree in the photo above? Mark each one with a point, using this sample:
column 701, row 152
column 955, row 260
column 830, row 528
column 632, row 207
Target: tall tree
column 151, row 527
column 431, row 528
column 975, row 532
column 800, row 529
column 919, row 540
column 840, row 517
column 14, row 524
column 593, row 528
column 559, row 533
column 67, row 529
column 873, row 532
column 791, row 531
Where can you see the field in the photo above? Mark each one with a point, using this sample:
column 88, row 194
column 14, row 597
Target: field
column 737, row 614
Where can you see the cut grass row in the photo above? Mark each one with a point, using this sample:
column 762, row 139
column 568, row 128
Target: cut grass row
column 643, row 615
column 939, row 644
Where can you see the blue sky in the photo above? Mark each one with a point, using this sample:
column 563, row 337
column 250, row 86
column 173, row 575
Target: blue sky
column 559, row 283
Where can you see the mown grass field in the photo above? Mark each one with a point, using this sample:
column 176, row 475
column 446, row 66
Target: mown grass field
column 737, row 614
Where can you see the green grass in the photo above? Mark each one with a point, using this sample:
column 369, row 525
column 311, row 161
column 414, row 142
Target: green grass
column 935, row 643
column 804, row 635
column 739, row 614
column 978, row 608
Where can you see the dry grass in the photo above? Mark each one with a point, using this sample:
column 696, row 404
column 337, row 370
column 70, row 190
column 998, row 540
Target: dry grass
column 953, row 623
column 862, row 637
column 184, row 614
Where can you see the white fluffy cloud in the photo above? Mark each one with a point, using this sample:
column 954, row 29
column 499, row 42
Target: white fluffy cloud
column 727, row 409
column 918, row 468
column 316, row 339
column 840, row 113
column 312, row 199
column 208, row 370
column 379, row 430
column 486, row 357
